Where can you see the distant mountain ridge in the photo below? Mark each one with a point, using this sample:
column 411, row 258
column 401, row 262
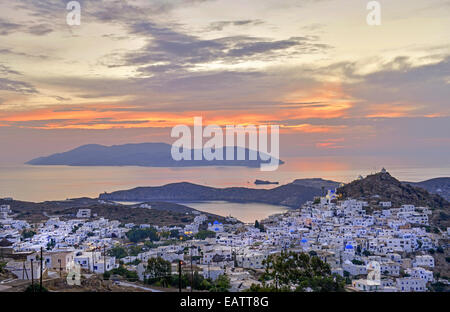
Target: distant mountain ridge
column 290, row 195
column 439, row 186
column 318, row 183
column 140, row 154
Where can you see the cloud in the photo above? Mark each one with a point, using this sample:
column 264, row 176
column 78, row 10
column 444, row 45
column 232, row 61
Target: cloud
column 220, row 25
column 16, row 86
column 6, row 70
column 7, row 28
column 400, row 88
column 172, row 50
column 40, row 29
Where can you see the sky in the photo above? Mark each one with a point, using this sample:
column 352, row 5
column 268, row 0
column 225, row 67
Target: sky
column 134, row 69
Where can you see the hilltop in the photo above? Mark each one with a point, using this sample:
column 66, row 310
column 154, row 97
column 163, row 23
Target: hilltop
column 161, row 213
column 291, row 195
column 383, row 187
column 141, row 154
column 318, row 183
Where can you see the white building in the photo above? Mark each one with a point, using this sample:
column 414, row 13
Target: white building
column 411, row 284
column 421, row 273
column 423, row 261
column 84, row 213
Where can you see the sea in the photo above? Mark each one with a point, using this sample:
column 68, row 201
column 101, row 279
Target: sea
column 43, row 183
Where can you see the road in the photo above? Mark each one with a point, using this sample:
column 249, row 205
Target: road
column 137, row 286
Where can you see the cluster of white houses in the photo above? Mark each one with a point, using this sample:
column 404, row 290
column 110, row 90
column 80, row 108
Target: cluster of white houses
column 343, row 234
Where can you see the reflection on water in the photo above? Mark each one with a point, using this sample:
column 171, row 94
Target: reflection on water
column 40, row 183
column 245, row 212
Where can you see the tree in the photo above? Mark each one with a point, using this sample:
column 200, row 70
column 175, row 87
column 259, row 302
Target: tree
column 221, row 284
column 174, row 234
column 2, row 267
column 205, row 234
column 357, row 262
column 51, row 244
column 35, row 288
column 28, row 234
column 118, row 252
column 135, row 250
column 299, row 271
column 259, row 226
column 138, row 235
column 159, row 269
column 122, row 271
column 106, row 275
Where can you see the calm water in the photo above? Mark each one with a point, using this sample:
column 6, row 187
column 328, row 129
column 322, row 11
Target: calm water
column 40, row 183
column 245, row 212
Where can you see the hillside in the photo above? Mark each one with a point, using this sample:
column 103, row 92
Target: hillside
column 143, row 154
column 383, row 187
column 317, row 183
column 291, row 195
column 160, row 214
column 439, row 186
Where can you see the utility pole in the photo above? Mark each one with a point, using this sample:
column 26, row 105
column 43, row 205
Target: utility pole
column 40, row 277
column 93, row 260
column 192, row 272
column 104, row 259
column 60, row 268
column 179, row 275
column 32, row 275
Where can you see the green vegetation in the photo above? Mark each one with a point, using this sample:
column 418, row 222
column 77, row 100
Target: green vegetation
column 2, row 267
column 159, row 270
column 28, row 234
column 357, row 262
column 138, row 235
column 106, row 275
column 222, row 284
column 35, row 288
column 259, row 226
column 75, row 229
column 135, row 250
column 51, row 244
column 174, row 234
column 439, row 287
column 118, row 252
column 131, row 276
column 298, row 270
column 160, row 274
column 205, row 234
column 136, row 262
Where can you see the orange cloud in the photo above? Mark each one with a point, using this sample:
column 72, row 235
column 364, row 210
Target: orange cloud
column 328, row 101
column 330, row 144
column 391, row 110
